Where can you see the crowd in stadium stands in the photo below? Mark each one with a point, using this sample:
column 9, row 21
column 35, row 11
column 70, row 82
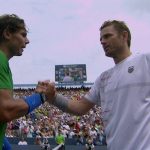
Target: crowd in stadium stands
column 47, row 120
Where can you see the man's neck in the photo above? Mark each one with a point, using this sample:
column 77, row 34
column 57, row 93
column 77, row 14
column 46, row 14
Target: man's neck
column 121, row 56
column 4, row 49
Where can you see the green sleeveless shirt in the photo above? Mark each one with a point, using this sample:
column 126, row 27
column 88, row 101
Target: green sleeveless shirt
column 5, row 83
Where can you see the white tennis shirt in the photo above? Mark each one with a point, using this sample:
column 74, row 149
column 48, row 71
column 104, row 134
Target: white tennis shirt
column 123, row 92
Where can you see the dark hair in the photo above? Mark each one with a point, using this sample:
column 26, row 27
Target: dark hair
column 120, row 26
column 12, row 23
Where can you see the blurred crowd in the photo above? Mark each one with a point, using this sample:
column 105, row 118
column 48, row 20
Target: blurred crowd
column 47, row 121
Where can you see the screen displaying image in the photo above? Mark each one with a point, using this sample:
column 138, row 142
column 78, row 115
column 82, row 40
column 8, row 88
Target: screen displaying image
column 70, row 73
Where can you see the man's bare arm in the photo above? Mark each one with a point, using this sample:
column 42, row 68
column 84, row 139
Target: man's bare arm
column 79, row 107
column 76, row 107
column 10, row 108
column 14, row 108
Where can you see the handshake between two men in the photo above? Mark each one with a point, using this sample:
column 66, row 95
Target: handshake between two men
column 48, row 92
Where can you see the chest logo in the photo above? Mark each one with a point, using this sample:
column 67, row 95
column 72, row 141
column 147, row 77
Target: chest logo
column 131, row 69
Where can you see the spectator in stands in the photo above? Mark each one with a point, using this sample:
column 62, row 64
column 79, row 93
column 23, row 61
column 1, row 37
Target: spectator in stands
column 123, row 92
column 89, row 143
column 45, row 145
column 15, row 127
column 30, row 130
column 13, row 39
column 38, row 140
column 60, row 140
column 22, row 142
column 79, row 138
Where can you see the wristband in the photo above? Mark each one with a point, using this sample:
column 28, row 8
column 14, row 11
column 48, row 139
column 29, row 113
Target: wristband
column 33, row 101
column 43, row 97
column 61, row 102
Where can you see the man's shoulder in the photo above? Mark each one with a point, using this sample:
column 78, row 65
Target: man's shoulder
column 141, row 56
column 106, row 73
column 147, row 55
column 103, row 76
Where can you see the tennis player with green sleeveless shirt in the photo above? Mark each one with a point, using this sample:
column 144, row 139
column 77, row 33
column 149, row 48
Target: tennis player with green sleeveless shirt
column 13, row 39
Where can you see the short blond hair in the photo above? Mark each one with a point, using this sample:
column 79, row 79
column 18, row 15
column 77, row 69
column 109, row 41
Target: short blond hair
column 120, row 26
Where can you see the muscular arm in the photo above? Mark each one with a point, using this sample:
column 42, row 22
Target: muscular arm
column 9, row 108
column 14, row 108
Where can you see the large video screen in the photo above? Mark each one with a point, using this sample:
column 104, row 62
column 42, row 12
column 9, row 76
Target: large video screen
column 70, row 73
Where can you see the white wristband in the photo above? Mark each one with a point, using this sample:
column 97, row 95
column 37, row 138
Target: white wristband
column 61, row 102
